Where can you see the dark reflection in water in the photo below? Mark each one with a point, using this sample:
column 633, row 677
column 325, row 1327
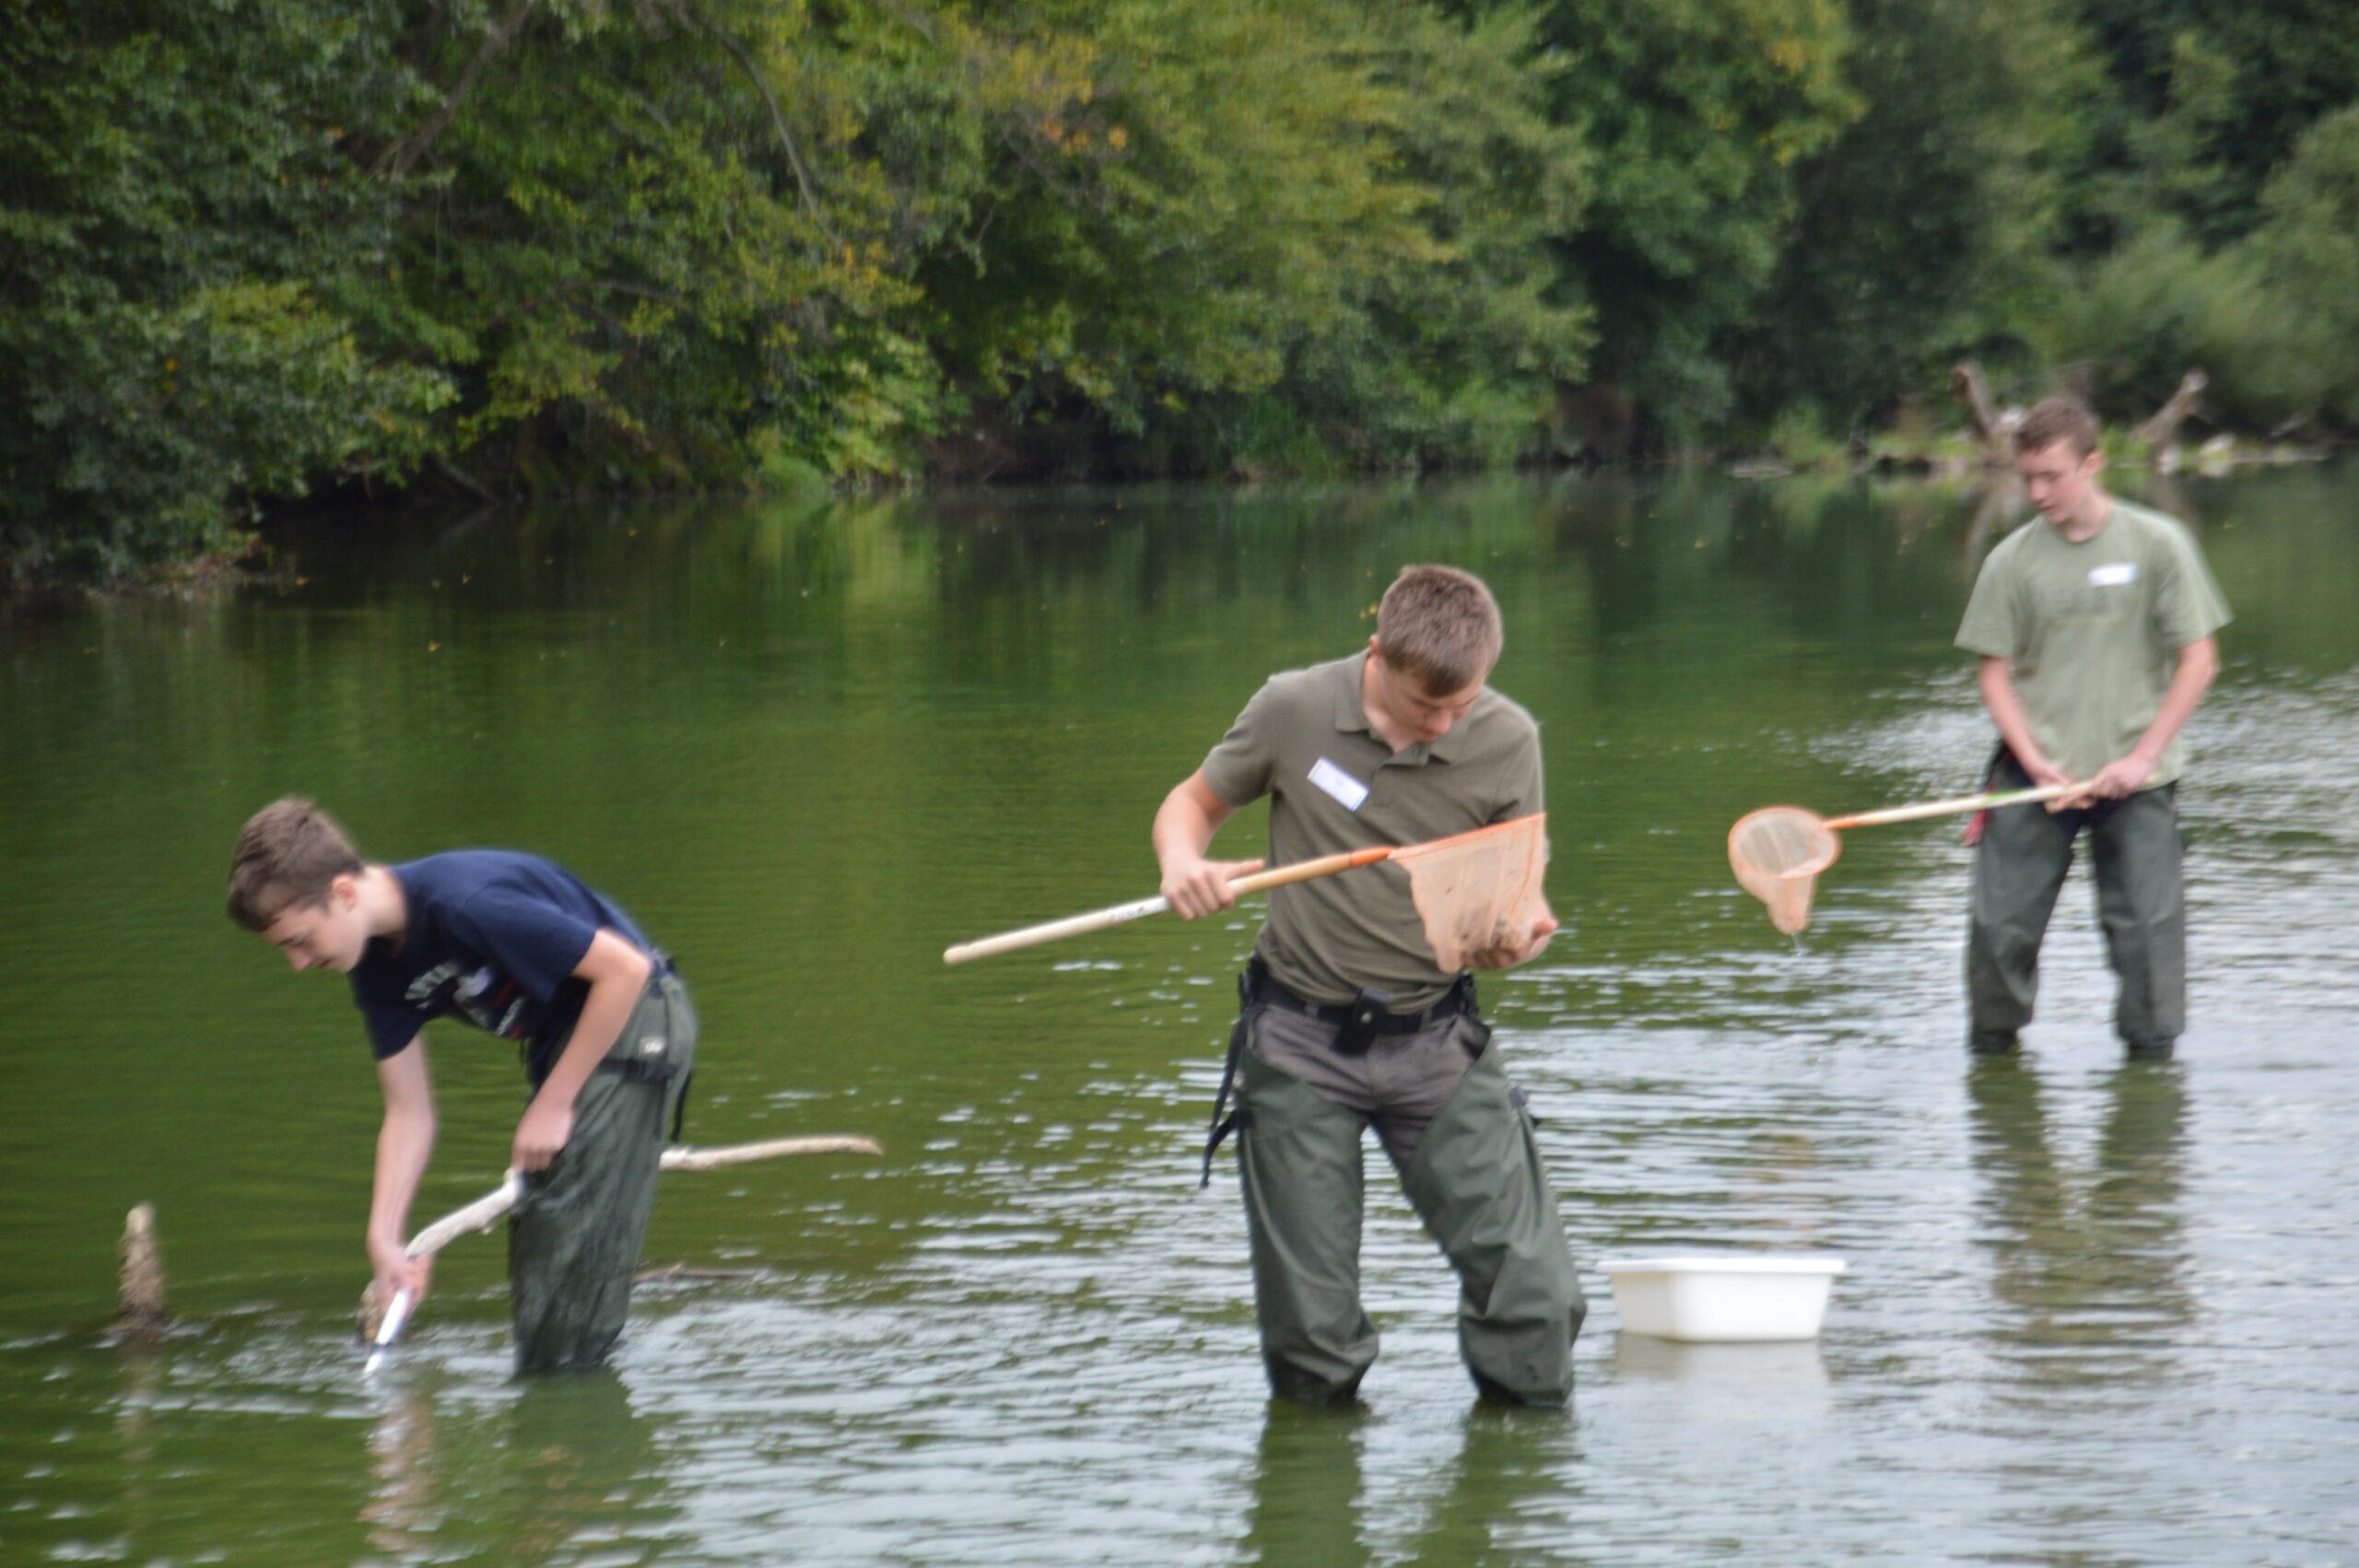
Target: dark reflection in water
column 1514, row 1467
column 1311, row 1506
column 1306, row 1489
column 567, row 1469
column 2091, row 1262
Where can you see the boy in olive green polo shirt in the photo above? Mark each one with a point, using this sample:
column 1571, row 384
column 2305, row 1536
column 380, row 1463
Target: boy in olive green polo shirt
column 1348, row 1023
column 2095, row 631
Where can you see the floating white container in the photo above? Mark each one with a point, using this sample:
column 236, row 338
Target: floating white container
column 1722, row 1296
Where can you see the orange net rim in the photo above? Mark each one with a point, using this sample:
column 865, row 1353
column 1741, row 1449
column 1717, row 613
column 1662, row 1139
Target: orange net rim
column 1490, row 830
column 1813, row 867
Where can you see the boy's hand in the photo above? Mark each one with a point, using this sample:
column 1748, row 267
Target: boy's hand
column 1510, row 952
column 2120, row 778
column 1196, row 887
column 397, row 1270
column 541, row 1135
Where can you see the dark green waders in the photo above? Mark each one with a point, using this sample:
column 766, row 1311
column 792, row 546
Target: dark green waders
column 2018, row 872
column 1478, row 1183
column 1298, row 1160
column 573, row 1243
column 1476, row 1180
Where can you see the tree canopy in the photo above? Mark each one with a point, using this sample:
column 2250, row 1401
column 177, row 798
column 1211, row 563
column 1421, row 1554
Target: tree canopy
column 255, row 250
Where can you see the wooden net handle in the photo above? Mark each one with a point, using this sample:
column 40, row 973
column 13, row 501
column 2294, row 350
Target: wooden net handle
column 1115, row 915
column 1953, row 807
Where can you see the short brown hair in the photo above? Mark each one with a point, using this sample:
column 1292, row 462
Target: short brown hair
column 2054, row 419
column 1440, row 625
column 290, row 853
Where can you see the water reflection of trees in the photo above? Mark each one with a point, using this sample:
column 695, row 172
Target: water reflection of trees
column 2089, row 1264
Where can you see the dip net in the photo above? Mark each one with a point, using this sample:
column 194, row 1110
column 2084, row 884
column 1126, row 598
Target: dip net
column 1777, row 853
column 1480, row 890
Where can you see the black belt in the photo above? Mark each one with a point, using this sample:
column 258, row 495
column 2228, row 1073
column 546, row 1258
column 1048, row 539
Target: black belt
column 1356, row 1025
column 1361, row 1020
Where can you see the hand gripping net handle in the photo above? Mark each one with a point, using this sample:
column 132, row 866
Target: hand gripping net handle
column 1777, row 853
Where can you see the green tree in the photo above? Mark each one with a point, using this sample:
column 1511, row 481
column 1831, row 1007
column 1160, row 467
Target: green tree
column 1252, row 233
column 1927, row 229
column 175, row 224
column 1697, row 114
column 2209, row 97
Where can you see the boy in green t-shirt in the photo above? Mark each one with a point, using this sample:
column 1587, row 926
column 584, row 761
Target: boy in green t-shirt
column 2095, row 628
column 1348, row 1024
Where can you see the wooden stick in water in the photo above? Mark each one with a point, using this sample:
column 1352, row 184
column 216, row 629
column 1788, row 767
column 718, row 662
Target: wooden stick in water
column 480, row 1214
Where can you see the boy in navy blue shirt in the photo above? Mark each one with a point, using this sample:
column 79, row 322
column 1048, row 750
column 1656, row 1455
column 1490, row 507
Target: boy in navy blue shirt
column 520, row 948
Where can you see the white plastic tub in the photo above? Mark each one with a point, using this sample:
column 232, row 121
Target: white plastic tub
column 1723, row 1296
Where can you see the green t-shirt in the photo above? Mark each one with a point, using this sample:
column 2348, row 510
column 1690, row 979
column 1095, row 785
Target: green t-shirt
column 2093, row 630
column 1305, row 741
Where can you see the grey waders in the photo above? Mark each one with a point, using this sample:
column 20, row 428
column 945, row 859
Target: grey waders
column 2018, row 872
column 573, row 1243
column 1462, row 1140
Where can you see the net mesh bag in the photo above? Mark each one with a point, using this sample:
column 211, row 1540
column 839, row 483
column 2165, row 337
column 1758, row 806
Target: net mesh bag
column 1480, row 890
column 1777, row 853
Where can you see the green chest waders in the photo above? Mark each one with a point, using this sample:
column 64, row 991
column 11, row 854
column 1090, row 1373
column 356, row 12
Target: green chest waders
column 573, row 1244
column 1478, row 1183
column 2019, row 870
column 1476, row 1180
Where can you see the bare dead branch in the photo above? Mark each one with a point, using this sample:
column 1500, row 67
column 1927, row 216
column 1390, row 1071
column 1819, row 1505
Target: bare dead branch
column 402, row 156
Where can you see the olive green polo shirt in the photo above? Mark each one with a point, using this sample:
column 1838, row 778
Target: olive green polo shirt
column 2092, row 630
column 1334, row 785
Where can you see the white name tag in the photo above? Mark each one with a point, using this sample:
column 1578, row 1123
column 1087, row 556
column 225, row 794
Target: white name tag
column 1338, row 784
column 2114, row 576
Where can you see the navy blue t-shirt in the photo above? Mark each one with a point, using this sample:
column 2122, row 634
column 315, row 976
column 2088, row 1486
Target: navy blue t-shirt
column 493, row 937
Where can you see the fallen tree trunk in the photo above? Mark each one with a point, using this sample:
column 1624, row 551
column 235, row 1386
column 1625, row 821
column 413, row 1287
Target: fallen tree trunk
column 1991, row 430
column 2163, row 428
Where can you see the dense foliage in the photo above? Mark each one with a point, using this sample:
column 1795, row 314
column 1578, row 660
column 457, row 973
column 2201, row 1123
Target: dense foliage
column 253, row 248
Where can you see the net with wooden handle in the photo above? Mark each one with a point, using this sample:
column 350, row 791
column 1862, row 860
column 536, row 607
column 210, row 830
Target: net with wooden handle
column 1778, row 852
column 1466, row 887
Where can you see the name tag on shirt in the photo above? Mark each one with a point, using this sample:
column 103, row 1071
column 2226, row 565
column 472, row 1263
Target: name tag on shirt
column 1338, row 784
column 2114, row 576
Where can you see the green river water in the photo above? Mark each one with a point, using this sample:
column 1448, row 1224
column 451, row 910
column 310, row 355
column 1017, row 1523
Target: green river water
column 2094, row 1313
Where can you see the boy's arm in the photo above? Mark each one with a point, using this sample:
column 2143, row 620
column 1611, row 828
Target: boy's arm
column 403, row 1143
column 618, row 972
column 1184, row 826
column 2199, row 661
column 1998, row 682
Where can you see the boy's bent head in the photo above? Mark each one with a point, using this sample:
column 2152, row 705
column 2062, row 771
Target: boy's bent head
column 1440, row 627
column 289, row 854
column 2054, row 419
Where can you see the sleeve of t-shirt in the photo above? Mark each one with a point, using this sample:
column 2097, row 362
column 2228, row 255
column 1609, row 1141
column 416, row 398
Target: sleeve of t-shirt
column 392, row 1023
column 536, row 942
column 1992, row 626
column 1240, row 767
column 2188, row 606
column 1521, row 789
